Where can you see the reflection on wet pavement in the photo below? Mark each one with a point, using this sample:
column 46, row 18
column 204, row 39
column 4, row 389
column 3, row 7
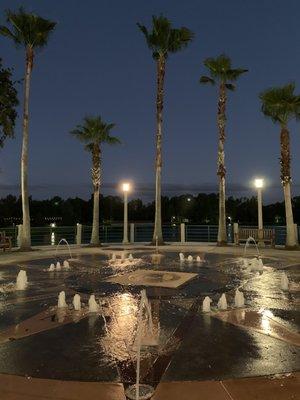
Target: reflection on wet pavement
column 261, row 322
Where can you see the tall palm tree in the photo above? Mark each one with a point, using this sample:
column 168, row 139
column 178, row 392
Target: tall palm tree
column 8, row 104
column 221, row 72
column 93, row 133
column 281, row 105
column 162, row 40
column 31, row 32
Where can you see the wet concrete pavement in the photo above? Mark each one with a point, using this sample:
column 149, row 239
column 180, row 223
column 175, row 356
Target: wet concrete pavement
column 193, row 346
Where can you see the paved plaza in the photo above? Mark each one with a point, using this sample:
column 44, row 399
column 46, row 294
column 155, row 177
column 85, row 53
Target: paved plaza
column 238, row 353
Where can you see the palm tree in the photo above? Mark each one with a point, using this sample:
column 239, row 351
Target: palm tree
column 8, row 104
column 31, row 32
column 162, row 40
column 93, row 133
column 281, row 105
column 221, row 72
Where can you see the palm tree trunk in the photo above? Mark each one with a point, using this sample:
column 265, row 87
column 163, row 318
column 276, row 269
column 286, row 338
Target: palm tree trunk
column 285, row 164
column 221, row 172
column 26, row 236
column 96, row 178
column 157, row 234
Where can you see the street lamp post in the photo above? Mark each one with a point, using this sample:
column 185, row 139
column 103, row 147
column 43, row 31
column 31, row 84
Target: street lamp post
column 259, row 184
column 126, row 189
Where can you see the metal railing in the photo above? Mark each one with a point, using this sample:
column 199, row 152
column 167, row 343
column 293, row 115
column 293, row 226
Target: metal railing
column 138, row 232
column 107, row 233
column 144, row 232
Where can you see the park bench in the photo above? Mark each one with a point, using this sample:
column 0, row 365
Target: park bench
column 267, row 235
column 5, row 241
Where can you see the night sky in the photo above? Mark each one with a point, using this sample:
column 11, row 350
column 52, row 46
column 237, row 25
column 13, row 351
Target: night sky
column 97, row 62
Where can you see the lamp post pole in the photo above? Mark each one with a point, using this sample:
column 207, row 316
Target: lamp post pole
column 259, row 204
column 259, row 183
column 126, row 188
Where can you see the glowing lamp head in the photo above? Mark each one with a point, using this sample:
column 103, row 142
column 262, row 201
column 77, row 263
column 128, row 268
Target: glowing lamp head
column 259, row 183
column 126, row 187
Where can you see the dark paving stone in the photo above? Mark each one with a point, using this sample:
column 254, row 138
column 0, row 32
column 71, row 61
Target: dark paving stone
column 216, row 350
column 13, row 314
column 72, row 352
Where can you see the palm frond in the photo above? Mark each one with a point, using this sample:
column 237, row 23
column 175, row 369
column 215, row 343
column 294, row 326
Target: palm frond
column 206, row 79
column 94, row 130
column 163, row 39
column 230, row 86
column 4, row 31
column 233, row 74
column 89, row 147
column 144, row 30
column 280, row 103
column 220, row 69
column 179, row 39
column 112, row 140
column 27, row 29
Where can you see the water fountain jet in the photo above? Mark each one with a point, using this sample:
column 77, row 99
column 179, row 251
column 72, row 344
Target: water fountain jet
column 22, row 280
column 284, row 281
column 93, row 305
column 239, row 300
column 141, row 391
column 66, row 242
column 51, row 268
column 251, row 239
column 206, row 304
column 76, row 302
column 61, row 303
column 222, row 303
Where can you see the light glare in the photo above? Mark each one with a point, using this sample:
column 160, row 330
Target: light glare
column 259, row 183
column 126, row 187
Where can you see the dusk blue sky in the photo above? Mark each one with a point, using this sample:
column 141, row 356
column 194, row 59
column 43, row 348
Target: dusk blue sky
column 97, row 62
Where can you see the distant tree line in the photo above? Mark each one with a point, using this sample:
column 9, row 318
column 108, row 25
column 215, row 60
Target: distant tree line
column 199, row 209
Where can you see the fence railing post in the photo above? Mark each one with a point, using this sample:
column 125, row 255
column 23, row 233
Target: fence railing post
column 235, row 233
column 131, row 233
column 182, row 232
column 19, row 235
column 78, row 234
